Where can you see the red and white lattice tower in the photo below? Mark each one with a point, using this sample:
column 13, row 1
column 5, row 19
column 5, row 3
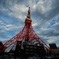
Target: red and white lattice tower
column 27, row 33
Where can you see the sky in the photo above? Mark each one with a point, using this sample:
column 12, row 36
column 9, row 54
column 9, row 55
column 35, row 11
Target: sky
column 44, row 15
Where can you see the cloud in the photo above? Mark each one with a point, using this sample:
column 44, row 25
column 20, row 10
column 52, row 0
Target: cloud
column 44, row 15
column 5, row 29
column 11, row 27
column 44, row 8
column 47, row 8
column 35, row 24
column 18, row 12
column 53, row 39
column 56, row 26
column 8, row 26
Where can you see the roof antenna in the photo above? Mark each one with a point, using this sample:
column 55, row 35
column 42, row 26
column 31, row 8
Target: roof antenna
column 28, row 15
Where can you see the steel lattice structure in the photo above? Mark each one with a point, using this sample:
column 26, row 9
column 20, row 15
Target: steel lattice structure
column 27, row 33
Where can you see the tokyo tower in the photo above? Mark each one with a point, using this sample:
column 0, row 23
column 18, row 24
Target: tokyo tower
column 26, row 34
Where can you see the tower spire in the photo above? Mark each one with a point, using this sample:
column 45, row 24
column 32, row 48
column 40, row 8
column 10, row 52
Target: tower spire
column 28, row 15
